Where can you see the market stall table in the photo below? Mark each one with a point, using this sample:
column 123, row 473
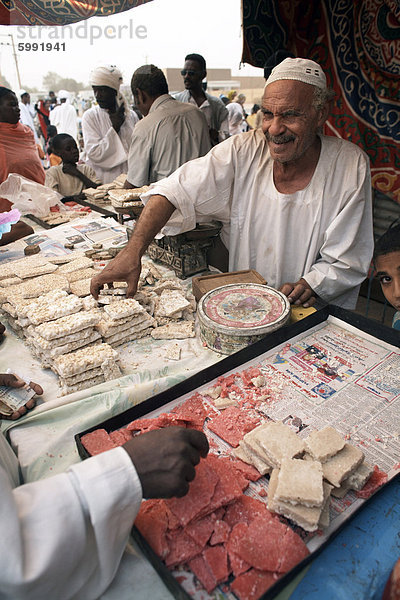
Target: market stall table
column 43, row 441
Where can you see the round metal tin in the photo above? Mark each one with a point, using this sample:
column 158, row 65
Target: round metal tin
column 236, row 315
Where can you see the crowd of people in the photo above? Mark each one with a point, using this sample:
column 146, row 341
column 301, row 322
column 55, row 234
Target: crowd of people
column 295, row 205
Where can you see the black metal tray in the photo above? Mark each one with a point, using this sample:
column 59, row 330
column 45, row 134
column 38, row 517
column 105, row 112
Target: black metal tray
column 233, row 361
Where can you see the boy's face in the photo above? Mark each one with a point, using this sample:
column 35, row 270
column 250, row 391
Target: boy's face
column 388, row 271
column 69, row 151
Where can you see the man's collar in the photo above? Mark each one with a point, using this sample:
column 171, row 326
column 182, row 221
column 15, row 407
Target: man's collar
column 158, row 101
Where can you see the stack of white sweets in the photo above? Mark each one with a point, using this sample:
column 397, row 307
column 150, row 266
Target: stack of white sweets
column 54, row 322
column 304, row 473
column 123, row 320
column 122, row 198
column 100, row 195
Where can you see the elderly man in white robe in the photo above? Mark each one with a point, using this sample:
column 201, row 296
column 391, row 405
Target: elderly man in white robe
column 295, row 204
column 107, row 128
column 63, row 537
column 64, row 116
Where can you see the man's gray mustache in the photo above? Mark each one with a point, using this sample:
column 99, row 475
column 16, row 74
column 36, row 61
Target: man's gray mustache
column 279, row 139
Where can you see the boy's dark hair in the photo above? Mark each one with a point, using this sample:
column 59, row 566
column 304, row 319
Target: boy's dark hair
column 149, row 79
column 389, row 241
column 58, row 140
column 197, row 58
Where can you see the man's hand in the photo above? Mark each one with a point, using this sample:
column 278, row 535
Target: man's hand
column 10, row 380
column 299, row 293
column 121, row 268
column 165, row 460
column 118, row 117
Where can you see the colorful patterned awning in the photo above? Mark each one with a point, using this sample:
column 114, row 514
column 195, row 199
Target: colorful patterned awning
column 357, row 42
column 60, row 12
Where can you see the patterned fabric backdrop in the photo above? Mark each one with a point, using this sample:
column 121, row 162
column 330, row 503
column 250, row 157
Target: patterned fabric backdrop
column 357, row 42
column 60, row 12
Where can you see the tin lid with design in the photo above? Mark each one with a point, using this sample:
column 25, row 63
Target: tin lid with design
column 244, row 309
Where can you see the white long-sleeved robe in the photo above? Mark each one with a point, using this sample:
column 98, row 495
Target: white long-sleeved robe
column 322, row 233
column 27, row 115
column 106, row 151
column 64, row 117
column 63, row 537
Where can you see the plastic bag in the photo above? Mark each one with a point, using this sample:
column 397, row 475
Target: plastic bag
column 29, row 197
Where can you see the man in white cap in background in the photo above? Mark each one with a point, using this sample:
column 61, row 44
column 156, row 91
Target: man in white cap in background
column 64, row 116
column 107, row 128
column 28, row 113
column 295, row 204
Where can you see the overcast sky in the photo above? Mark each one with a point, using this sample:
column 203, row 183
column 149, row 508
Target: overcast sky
column 160, row 32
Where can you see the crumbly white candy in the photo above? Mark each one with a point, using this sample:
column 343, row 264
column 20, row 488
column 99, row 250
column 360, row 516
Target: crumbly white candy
column 82, row 385
column 46, row 345
column 80, row 343
column 129, row 332
column 81, row 288
column 167, row 284
column 83, row 360
column 118, row 341
column 41, row 285
column 108, row 327
column 27, row 270
column 170, row 303
column 123, row 308
column 24, row 305
column 178, row 331
column 69, row 324
column 59, row 308
column 75, row 265
column 86, row 273
column 10, row 281
column 173, row 352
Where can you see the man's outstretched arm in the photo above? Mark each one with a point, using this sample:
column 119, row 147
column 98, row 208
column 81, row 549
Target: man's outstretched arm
column 126, row 265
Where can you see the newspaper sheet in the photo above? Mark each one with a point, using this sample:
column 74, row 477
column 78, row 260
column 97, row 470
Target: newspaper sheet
column 333, row 374
column 83, row 233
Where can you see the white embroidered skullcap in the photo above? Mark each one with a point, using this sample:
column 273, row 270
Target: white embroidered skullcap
column 107, row 75
column 63, row 94
column 299, row 69
column 22, row 93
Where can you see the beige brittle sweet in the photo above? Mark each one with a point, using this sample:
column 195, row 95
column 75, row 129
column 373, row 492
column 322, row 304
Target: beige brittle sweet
column 107, row 327
column 27, row 270
column 69, row 324
column 170, row 303
column 300, row 482
column 33, row 288
column 123, row 308
column 83, row 360
column 85, row 273
column 175, row 330
column 134, row 333
column 324, row 443
column 59, row 308
column 83, row 262
column 47, row 345
column 80, row 288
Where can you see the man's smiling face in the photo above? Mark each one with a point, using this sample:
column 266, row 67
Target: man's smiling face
column 290, row 121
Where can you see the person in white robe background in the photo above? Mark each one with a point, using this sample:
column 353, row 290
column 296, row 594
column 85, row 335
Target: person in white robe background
column 63, row 537
column 107, row 128
column 28, row 113
column 64, row 116
column 296, row 205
